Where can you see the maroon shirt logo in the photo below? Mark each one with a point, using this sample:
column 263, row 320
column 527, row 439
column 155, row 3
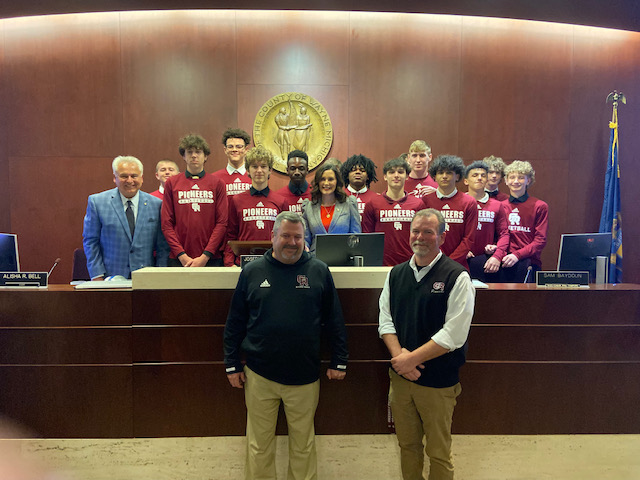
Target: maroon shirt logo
column 303, row 281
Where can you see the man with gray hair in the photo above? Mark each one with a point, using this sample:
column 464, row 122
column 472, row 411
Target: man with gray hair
column 426, row 308
column 280, row 306
column 122, row 225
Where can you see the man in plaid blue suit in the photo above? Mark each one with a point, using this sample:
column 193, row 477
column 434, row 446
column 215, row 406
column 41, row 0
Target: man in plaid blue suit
column 122, row 225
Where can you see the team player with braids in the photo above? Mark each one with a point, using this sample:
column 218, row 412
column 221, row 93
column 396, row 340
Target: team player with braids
column 392, row 213
column 252, row 213
column 460, row 211
column 358, row 172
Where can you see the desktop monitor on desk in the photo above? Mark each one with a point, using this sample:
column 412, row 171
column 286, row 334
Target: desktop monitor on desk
column 340, row 249
column 9, row 260
column 578, row 252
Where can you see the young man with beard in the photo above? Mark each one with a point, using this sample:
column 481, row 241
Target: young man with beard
column 298, row 189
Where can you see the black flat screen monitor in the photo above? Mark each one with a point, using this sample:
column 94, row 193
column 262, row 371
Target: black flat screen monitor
column 339, row 249
column 578, row 252
column 9, row 260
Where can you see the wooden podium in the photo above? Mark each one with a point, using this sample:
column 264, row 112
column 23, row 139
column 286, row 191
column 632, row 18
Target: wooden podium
column 249, row 247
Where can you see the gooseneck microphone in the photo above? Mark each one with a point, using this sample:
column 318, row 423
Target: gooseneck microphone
column 55, row 264
column 526, row 277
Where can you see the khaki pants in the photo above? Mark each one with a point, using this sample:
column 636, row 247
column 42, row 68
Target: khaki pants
column 423, row 412
column 262, row 398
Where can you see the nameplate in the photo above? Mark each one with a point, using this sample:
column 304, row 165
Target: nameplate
column 247, row 259
column 23, row 279
column 562, row 279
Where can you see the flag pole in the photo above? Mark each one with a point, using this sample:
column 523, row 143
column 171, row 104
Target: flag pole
column 611, row 219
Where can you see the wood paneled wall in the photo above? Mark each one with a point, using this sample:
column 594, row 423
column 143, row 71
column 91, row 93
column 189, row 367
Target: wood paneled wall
column 71, row 365
column 78, row 90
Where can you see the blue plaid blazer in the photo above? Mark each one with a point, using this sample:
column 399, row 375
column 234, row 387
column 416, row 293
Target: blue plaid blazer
column 107, row 241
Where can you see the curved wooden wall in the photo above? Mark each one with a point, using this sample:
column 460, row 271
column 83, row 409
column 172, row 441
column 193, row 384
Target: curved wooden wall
column 623, row 14
column 78, row 90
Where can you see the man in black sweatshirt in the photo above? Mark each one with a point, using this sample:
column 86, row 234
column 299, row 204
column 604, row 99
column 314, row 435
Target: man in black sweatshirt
column 281, row 304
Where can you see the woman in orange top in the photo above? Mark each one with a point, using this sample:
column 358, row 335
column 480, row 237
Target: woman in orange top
column 330, row 210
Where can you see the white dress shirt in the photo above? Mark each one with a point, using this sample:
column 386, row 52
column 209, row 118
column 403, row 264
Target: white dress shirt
column 134, row 200
column 457, row 320
column 358, row 192
column 440, row 195
column 241, row 170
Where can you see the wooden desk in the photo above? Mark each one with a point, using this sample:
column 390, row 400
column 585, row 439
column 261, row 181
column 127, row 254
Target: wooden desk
column 148, row 363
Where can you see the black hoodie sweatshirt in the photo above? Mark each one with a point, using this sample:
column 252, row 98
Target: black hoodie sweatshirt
column 276, row 317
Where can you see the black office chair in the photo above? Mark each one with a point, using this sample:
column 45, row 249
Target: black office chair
column 79, row 269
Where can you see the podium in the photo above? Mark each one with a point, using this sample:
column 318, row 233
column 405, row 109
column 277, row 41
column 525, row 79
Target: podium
column 249, row 247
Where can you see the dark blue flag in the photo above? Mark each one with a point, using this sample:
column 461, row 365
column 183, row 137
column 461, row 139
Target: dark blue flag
column 611, row 220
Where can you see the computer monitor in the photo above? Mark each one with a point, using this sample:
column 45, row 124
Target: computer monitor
column 578, row 252
column 339, row 249
column 9, row 260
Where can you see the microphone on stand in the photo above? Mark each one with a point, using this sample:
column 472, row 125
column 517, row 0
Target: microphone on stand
column 55, row 264
column 526, row 277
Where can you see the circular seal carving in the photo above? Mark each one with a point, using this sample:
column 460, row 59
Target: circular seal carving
column 293, row 121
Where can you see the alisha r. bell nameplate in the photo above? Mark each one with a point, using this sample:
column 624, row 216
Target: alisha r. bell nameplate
column 23, row 279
